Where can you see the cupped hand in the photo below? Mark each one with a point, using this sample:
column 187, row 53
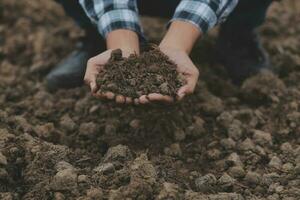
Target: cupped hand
column 94, row 66
column 186, row 68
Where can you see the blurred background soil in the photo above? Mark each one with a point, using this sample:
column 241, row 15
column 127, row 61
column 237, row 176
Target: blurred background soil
column 223, row 142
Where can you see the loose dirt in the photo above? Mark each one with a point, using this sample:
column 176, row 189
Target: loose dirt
column 151, row 72
column 223, row 142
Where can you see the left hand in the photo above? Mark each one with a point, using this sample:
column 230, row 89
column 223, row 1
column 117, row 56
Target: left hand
column 185, row 67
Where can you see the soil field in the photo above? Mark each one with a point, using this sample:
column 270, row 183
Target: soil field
column 223, row 142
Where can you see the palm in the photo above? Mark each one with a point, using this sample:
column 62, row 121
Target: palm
column 185, row 67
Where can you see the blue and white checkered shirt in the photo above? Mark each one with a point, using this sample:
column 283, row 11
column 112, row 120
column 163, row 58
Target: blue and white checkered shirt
column 109, row 15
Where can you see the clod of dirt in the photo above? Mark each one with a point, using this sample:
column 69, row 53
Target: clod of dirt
column 213, row 154
column 111, row 126
column 286, row 148
column 45, row 131
column 275, row 162
column 22, row 123
column 142, row 181
column 179, row 135
column 225, row 119
column 6, row 196
column 197, row 129
column 226, row 181
column 64, row 180
column 247, row 145
column 173, row 150
column 237, row 172
column 119, row 153
column 268, row 179
column 205, row 183
column 5, row 136
column 235, row 130
column 169, row 191
column 190, row 195
column 62, row 165
column 82, row 178
column 135, row 123
column 228, row 143
column 151, row 72
column 252, row 178
column 95, row 193
column 234, row 159
column 67, row 123
column 262, row 88
column 105, row 168
column 262, row 138
column 88, row 129
column 287, row 167
column 3, row 159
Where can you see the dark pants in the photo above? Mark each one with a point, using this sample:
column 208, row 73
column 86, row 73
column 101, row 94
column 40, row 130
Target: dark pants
column 248, row 14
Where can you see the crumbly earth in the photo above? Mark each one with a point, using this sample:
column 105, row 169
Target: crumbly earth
column 222, row 142
column 151, row 72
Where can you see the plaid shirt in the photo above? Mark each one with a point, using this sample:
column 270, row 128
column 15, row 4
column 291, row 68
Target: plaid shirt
column 110, row 15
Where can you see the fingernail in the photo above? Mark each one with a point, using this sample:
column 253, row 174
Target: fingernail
column 181, row 95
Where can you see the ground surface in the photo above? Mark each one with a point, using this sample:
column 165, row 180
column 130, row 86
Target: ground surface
column 221, row 143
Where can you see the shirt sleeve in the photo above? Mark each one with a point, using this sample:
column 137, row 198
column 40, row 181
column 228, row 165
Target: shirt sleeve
column 109, row 15
column 204, row 14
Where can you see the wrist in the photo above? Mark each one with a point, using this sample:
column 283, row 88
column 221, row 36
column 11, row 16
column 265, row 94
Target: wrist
column 123, row 39
column 180, row 36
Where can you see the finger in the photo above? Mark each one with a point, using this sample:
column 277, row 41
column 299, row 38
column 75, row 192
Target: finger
column 128, row 100
column 136, row 101
column 143, row 99
column 189, row 88
column 99, row 95
column 109, row 95
column 93, row 86
column 160, row 97
column 120, row 99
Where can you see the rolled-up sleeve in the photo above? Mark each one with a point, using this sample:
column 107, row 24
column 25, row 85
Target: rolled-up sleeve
column 109, row 15
column 204, row 14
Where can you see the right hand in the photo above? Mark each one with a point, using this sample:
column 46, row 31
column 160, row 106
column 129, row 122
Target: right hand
column 94, row 66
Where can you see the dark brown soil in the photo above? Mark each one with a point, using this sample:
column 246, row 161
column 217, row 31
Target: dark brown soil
column 222, row 143
column 151, row 72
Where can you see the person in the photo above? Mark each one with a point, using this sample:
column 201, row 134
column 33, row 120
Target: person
column 117, row 22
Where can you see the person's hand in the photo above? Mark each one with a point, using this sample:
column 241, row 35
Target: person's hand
column 186, row 68
column 125, row 40
column 177, row 44
column 94, row 66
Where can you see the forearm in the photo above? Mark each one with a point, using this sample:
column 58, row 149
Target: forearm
column 126, row 40
column 117, row 22
column 181, row 36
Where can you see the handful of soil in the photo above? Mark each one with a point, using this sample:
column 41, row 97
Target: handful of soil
column 151, row 72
